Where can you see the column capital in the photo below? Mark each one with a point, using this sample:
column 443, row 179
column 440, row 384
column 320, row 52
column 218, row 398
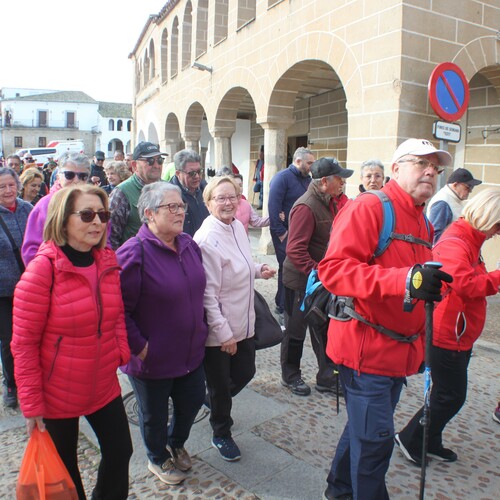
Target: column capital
column 222, row 132
column 276, row 124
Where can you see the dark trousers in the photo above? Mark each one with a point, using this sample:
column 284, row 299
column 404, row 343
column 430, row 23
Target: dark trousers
column 111, row 428
column 292, row 344
column 187, row 393
column 448, row 393
column 365, row 447
column 5, row 340
column 280, row 249
column 226, row 376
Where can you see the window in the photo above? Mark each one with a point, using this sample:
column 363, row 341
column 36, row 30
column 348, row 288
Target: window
column 111, row 125
column 42, row 118
column 119, row 125
column 129, row 126
column 70, row 119
column 220, row 20
column 42, row 142
column 18, row 142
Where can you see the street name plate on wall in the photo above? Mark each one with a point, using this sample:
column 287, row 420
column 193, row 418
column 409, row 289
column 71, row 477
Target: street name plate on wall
column 445, row 131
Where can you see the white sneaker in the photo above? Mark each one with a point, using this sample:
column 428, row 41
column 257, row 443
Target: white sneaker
column 167, row 472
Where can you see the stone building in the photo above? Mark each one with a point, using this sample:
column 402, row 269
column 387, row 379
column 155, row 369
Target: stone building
column 347, row 78
column 33, row 118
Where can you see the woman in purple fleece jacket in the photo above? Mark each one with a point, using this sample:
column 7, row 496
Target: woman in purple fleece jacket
column 163, row 283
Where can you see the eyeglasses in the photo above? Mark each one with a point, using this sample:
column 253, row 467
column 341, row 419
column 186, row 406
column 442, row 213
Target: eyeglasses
column 469, row 188
column 69, row 175
column 221, row 200
column 151, row 161
column 28, row 159
column 423, row 163
column 194, row 173
column 89, row 215
column 173, row 208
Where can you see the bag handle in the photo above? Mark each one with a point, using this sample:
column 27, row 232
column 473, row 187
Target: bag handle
column 15, row 249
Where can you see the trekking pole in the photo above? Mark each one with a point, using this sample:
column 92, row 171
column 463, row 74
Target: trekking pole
column 426, row 417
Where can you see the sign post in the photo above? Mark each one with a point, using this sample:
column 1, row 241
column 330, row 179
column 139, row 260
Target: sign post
column 448, row 91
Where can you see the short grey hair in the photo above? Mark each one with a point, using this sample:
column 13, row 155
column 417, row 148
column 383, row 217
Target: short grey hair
column 185, row 156
column 225, row 170
column 374, row 162
column 13, row 174
column 152, row 196
column 76, row 159
column 300, row 153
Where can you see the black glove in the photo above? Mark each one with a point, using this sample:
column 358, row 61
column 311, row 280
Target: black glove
column 425, row 283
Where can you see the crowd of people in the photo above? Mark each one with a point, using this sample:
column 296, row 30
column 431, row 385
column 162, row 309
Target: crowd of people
column 157, row 278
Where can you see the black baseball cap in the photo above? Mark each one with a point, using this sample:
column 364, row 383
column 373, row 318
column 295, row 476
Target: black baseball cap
column 147, row 150
column 463, row 176
column 99, row 155
column 323, row 167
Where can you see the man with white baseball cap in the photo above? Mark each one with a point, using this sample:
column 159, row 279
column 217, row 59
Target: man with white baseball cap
column 376, row 349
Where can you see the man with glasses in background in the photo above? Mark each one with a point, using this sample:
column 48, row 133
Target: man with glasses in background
column 97, row 174
column 74, row 168
column 14, row 162
column 125, row 221
column 189, row 178
column 376, row 349
column 446, row 205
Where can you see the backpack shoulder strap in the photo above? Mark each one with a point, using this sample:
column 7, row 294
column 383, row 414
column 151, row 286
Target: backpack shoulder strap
column 388, row 222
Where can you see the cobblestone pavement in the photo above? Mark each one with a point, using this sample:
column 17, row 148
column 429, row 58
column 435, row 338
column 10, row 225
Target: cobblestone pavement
column 288, row 441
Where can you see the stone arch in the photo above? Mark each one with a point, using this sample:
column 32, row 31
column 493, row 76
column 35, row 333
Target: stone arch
column 317, row 46
column 145, row 67
column 192, row 124
column 164, row 56
column 152, row 65
column 140, row 136
column 187, row 34
column 201, row 28
column 173, row 138
column 153, row 134
column 174, row 48
column 481, row 55
column 233, row 101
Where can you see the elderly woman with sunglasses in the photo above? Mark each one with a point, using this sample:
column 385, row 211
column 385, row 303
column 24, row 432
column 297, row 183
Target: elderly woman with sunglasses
column 163, row 283
column 74, row 168
column 70, row 338
column 458, row 321
column 229, row 305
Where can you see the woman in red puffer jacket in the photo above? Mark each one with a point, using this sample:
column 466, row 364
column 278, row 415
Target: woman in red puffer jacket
column 458, row 321
column 70, row 338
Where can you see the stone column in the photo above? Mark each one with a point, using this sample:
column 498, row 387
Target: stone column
column 222, row 150
column 274, row 159
column 171, row 147
column 192, row 142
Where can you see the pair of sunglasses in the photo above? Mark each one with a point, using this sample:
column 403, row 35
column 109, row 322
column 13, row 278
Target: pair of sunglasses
column 83, row 176
column 151, row 161
column 89, row 215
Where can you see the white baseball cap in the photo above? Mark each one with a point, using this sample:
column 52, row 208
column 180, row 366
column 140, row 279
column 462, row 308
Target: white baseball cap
column 421, row 147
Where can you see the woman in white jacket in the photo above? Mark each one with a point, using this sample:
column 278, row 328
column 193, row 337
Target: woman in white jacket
column 229, row 306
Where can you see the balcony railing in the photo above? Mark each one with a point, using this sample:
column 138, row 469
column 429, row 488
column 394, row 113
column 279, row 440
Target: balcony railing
column 38, row 124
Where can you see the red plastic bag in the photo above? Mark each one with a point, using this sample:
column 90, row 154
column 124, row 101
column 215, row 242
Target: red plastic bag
column 43, row 475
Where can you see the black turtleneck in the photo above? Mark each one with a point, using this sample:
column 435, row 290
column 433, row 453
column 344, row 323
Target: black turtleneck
column 77, row 258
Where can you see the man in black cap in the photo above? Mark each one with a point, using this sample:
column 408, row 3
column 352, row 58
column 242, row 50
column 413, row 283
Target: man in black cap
column 446, row 205
column 125, row 222
column 97, row 174
column 309, row 228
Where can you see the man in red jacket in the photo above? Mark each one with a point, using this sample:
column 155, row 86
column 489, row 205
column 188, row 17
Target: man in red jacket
column 385, row 291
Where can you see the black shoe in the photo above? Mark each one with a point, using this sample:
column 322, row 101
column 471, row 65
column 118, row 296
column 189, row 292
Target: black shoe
column 330, row 496
column 329, row 388
column 443, row 454
column 412, row 457
column 298, row 387
column 10, row 397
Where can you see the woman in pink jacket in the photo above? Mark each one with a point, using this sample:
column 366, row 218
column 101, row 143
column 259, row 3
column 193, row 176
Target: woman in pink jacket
column 229, row 307
column 70, row 338
column 245, row 213
column 458, row 321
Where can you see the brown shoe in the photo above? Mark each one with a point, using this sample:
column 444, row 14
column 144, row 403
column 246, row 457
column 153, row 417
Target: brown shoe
column 181, row 458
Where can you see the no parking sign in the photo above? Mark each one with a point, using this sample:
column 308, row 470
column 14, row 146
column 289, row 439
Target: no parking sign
column 448, row 91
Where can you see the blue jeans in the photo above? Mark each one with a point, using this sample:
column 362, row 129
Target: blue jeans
column 365, row 447
column 187, row 393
